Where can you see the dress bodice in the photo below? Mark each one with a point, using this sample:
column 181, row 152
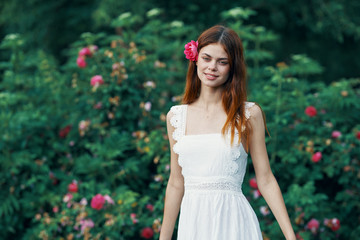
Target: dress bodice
column 208, row 161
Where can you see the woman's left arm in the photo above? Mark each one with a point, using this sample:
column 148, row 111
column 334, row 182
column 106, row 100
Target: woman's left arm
column 266, row 181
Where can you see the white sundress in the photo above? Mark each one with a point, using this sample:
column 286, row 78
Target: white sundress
column 213, row 206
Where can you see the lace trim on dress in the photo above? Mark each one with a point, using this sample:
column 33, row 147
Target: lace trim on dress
column 247, row 112
column 215, row 184
column 177, row 121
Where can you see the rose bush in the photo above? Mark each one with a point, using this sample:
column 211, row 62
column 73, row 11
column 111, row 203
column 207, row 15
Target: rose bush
column 106, row 177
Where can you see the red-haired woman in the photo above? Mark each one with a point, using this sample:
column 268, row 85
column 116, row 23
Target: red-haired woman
column 210, row 135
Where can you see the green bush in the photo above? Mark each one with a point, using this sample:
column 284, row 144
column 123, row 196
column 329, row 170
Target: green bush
column 96, row 125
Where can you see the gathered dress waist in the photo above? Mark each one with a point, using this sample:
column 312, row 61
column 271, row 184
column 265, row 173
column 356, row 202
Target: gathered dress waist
column 212, row 184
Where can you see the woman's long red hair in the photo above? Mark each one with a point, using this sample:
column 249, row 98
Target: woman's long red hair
column 234, row 95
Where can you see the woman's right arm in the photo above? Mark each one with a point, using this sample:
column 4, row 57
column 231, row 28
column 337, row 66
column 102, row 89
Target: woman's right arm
column 174, row 189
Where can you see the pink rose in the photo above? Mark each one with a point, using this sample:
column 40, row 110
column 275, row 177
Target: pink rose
column 264, row 210
column 98, row 105
column 65, row 131
column 313, row 225
column 85, row 52
column 108, row 199
column 147, row 106
column 93, row 48
column 133, row 218
column 335, row 224
column 253, row 183
column 298, row 237
column 150, row 207
column 83, row 202
column 80, row 61
column 55, row 209
column 310, row 111
column 67, row 197
column 256, row 193
column 73, row 187
column 147, row 233
column 97, row 202
column 87, row 223
column 316, row 157
column 335, row 134
column 96, row 80
column 191, row 50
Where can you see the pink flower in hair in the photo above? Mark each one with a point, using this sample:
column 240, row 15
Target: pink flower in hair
column 191, row 52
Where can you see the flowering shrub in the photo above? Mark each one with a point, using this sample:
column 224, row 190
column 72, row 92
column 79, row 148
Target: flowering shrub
column 88, row 157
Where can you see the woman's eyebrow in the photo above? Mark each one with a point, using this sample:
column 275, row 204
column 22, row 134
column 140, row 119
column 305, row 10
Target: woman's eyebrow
column 211, row 56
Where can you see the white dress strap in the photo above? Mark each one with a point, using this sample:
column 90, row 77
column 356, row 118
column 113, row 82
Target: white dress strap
column 178, row 121
column 248, row 105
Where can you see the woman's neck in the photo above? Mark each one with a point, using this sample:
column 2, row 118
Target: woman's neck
column 209, row 97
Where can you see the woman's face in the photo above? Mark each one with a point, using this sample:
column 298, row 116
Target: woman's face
column 213, row 65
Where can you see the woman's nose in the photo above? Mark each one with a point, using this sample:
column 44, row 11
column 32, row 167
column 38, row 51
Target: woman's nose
column 212, row 65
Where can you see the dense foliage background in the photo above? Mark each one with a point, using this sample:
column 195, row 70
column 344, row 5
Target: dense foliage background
column 86, row 86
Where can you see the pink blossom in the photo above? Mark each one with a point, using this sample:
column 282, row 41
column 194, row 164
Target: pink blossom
column 336, row 134
column 133, row 218
column 83, row 202
column 167, row 167
column 150, row 207
column 190, row 51
column 86, row 223
column 147, row 106
column 85, row 52
column 67, row 197
column 253, row 183
column 256, row 193
column 96, row 80
column 298, row 237
column 97, row 202
column 83, row 125
column 149, row 84
column 55, row 209
column 93, row 48
column 116, row 66
column 316, row 157
column 65, row 131
column 264, row 210
column 335, row 224
column 98, row 105
column 147, row 233
column 311, row 111
column 108, row 199
column 73, row 187
column 80, row 61
column 313, row 225
column 158, row 178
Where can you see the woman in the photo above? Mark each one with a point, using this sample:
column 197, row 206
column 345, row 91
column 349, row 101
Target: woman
column 210, row 136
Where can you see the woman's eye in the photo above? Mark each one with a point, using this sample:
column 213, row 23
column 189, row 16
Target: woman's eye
column 223, row 63
column 206, row 58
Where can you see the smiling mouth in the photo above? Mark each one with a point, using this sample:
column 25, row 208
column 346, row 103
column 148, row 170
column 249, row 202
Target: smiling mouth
column 211, row 75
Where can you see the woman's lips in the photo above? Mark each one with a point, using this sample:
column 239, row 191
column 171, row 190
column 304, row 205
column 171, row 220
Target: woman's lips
column 210, row 76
